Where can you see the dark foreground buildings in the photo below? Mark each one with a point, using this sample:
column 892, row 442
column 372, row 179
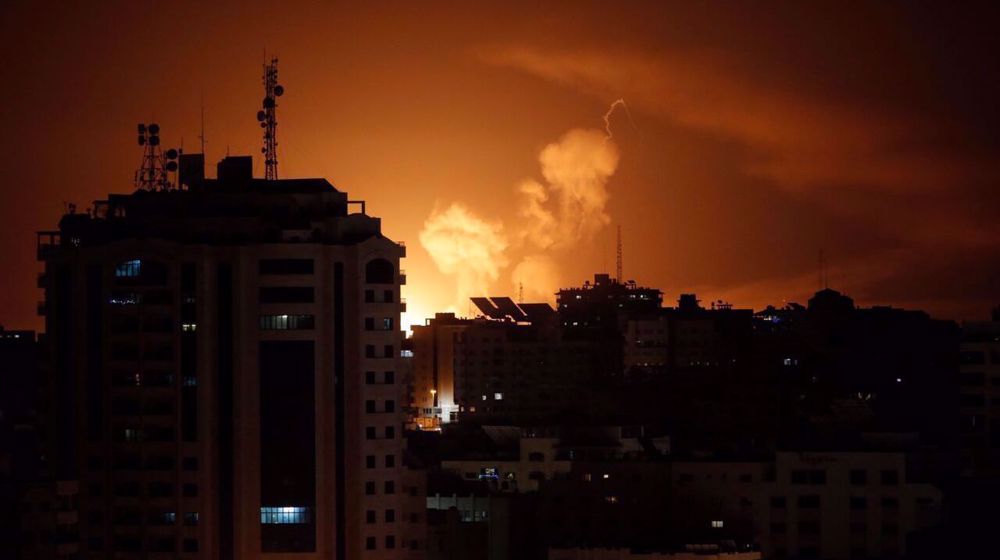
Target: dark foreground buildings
column 224, row 372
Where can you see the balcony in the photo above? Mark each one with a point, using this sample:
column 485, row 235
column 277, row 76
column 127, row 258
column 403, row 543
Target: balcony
column 40, row 281
column 41, row 309
column 402, row 305
column 402, row 277
column 402, row 247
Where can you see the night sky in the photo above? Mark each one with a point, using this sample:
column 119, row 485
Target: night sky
column 749, row 139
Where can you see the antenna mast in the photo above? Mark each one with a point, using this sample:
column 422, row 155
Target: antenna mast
column 269, row 120
column 618, row 269
column 152, row 174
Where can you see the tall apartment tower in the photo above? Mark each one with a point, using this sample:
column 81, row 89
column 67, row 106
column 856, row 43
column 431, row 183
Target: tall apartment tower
column 224, row 362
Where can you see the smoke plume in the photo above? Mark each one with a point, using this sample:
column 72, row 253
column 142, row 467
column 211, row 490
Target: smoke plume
column 554, row 217
column 467, row 247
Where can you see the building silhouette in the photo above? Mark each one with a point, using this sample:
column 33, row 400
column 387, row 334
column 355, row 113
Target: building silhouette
column 224, row 358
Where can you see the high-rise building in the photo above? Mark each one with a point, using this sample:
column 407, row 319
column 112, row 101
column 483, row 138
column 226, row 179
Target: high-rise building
column 224, row 361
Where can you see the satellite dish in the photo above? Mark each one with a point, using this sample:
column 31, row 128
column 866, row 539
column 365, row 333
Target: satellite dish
column 263, row 150
column 154, row 128
column 142, row 128
column 171, row 154
column 142, row 140
column 171, row 166
column 279, row 90
column 268, row 102
column 260, row 115
column 154, row 140
column 262, row 125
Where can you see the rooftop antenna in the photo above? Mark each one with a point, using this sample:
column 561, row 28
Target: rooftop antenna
column 153, row 173
column 268, row 119
column 618, row 267
column 520, row 292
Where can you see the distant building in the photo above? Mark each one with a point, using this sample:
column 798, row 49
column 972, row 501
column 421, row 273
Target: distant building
column 979, row 398
column 224, row 366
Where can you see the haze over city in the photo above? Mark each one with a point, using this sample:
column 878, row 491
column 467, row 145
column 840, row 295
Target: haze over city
column 491, row 140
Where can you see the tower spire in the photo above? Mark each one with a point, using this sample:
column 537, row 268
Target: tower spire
column 268, row 119
column 618, row 264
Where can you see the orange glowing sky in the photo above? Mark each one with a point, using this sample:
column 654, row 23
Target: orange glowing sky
column 759, row 136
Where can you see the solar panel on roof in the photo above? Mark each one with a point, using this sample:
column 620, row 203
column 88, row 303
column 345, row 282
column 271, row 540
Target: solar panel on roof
column 487, row 307
column 508, row 308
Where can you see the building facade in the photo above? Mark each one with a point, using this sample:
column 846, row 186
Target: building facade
column 224, row 357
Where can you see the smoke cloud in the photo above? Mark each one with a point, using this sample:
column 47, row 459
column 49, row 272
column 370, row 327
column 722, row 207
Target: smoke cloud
column 467, row 247
column 554, row 216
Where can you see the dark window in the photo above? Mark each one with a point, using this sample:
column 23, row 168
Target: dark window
column 369, row 488
column 369, row 461
column 972, row 357
column 779, row 502
column 380, row 271
column 369, row 323
column 390, row 377
column 190, row 463
column 286, row 266
column 390, row 461
column 778, row 528
column 370, row 516
column 370, row 377
column 287, row 294
column 808, row 527
column 190, row 490
column 369, row 406
column 387, row 351
column 390, row 516
column 370, row 432
column 388, row 296
column 890, row 478
column 190, row 545
column 890, row 503
column 370, row 543
column 390, row 541
column 809, row 502
column 390, row 432
column 390, row 487
column 369, row 350
column 390, row 406
column 859, row 502
column 369, row 296
column 536, row 456
column 859, row 477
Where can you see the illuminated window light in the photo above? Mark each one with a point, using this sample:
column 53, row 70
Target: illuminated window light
column 285, row 515
column 189, row 327
column 717, row 524
column 129, row 269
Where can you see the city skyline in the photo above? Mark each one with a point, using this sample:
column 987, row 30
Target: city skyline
column 746, row 144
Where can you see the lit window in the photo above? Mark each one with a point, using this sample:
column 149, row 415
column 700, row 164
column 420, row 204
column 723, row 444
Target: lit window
column 190, row 381
column 606, row 476
column 191, row 518
column 611, row 499
column 287, row 322
column 189, row 327
column 498, row 396
column 387, row 324
column 128, row 269
column 284, row 515
column 717, row 524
